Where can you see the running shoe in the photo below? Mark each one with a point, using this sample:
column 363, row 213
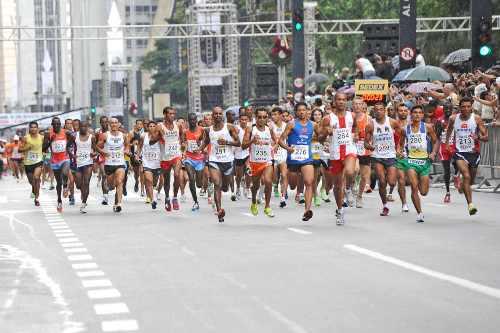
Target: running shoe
column 472, row 209
column 359, row 202
column 301, row 199
column 209, row 200
column 276, row 191
column 457, row 181
column 168, row 205
column 117, row 208
column 37, row 203
column 51, row 188
column 238, row 194
column 148, row 201
column 65, row 192
column 369, row 190
column 405, row 208
column 345, row 204
column 59, row 207
column 254, row 209
column 249, row 194
column 203, row 193
column 447, row 198
column 390, row 198
column 307, row 216
column 175, row 204
column 220, row 215
column 420, row 218
column 282, row 203
column 83, row 208
column 324, row 195
column 183, row 198
column 233, row 197
column 142, row 193
column 71, row 200
column 153, row 205
column 385, row 211
column 196, row 207
column 32, row 196
column 136, row 187
column 317, row 201
column 125, row 191
column 104, row 200
column 339, row 216
column 349, row 198
column 269, row 212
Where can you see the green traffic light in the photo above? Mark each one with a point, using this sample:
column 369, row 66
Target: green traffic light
column 485, row 51
column 246, row 104
column 93, row 110
column 298, row 26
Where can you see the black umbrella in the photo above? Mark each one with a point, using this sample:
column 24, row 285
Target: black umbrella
column 317, row 78
column 457, row 57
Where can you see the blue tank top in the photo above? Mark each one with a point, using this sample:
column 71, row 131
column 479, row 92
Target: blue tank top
column 300, row 139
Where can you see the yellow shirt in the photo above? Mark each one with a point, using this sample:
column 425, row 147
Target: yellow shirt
column 34, row 155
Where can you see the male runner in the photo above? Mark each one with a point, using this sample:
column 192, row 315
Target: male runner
column 14, row 157
column 296, row 139
column 222, row 138
column 136, row 134
column 364, row 160
column 168, row 133
column 85, row 144
column 380, row 140
column 446, row 155
column 31, row 146
column 241, row 155
column 150, row 154
column 104, row 122
column 278, row 126
column 418, row 163
column 57, row 140
column 71, row 148
column 259, row 139
column 469, row 130
column 341, row 125
column 114, row 144
column 402, row 114
column 195, row 159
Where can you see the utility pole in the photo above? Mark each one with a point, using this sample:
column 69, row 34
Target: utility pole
column 298, row 63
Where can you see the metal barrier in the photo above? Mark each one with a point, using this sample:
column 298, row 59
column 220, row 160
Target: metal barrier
column 489, row 168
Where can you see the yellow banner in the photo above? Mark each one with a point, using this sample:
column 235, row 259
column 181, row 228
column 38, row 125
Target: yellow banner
column 371, row 87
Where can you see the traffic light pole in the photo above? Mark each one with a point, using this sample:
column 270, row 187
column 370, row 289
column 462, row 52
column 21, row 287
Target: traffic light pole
column 298, row 50
column 481, row 11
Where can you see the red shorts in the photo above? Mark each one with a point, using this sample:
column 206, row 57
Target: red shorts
column 445, row 155
column 337, row 166
column 167, row 165
column 258, row 168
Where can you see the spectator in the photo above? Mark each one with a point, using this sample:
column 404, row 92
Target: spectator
column 488, row 104
column 364, row 67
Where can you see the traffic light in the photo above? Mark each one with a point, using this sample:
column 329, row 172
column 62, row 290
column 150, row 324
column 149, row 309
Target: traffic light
column 93, row 111
column 246, row 103
column 485, row 47
column 298, row 20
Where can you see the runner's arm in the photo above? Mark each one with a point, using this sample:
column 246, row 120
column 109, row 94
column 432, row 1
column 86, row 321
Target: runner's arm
column 449, row 130
column 234, row 135
column 434, row 140
column 46, row 142
column 99, row 147
column 205, row 140
column 284, row 136
column 246, row 139
column 483, row 131
column 369, row 136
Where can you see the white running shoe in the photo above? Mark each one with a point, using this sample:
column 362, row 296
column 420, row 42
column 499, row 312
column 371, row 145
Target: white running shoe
column 349, row 197
column 83, row 208
column 420, row 218
column 359, row 202
column 405, row 208
column 183, row 198
column 339, row 215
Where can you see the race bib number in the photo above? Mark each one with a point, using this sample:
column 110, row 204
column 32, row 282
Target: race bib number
column 360, row 148
column 300, row 153
column 171, row 150
column 443, row 137
column 151, row 156
column 465, row 144
column 383, row 148
column 192, row 146
column 82, row 157
column 415, row 140
column 261, row 154
column 417, row 162
column 343, row 136
column 58, row 146
column 316, row 149
column 221, row 152
column 116, row 156
column 33, row 156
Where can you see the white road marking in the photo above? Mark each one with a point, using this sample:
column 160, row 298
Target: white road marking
column 482, row 289
column 96, row 283
column 300, row 231
column 59, row 227
column 76, row 250
column 248, row 214
column 188, row 251
column 72, row 244
column 65, row 234
column 292, row 326
column 87, row 265
column 85, row 274
column 103, row 293
column 80, row 257
column 111, row 308
column 57, row 224
column 119, row 326
column 436, row 204
column 69, row 240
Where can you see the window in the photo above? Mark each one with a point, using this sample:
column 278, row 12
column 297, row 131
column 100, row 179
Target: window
column 127, row 11
column 154, row 9
column 139, row 9
column 140, row 59
column 129, row 60
column 129, row 43
column 142, row 43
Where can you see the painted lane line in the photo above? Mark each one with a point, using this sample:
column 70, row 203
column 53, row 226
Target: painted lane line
column 80, row 257
column 86, row 274
column 96, row 283
column 63, row 232
column 76, row 250
column 119, row 326
column 300, row 231
column 103, row 293
column 56, row 224
column 248, row 214
column 111, row 308
column 60, row 227
column 188, row 251
column 479, row 288
column 72, row 244
column 69, row 240
column 87, row 265
column 66, row 234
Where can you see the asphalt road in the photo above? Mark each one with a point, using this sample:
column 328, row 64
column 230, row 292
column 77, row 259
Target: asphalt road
column 152, row 271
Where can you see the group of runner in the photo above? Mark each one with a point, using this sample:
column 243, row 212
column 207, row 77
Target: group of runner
column 312, row 152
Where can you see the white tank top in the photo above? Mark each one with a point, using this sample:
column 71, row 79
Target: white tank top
column 342, row 143
column 465, row 133
column 114, row 146
column 220, row 153
column 150, row 153
column 238, row 152
column 171, row 146
column 366, row 65
column 383, row 140
column 281, row 153
column 83, row 151
column 261, row 153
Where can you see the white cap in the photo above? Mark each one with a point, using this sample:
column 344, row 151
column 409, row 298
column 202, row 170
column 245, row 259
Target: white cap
column 16, row 137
